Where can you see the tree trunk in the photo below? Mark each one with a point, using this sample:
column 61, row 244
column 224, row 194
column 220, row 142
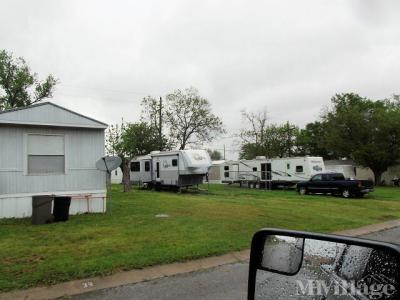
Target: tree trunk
column 126, row 178
column 377, row 177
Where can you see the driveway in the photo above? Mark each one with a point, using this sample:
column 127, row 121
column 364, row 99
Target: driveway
column 225, row 282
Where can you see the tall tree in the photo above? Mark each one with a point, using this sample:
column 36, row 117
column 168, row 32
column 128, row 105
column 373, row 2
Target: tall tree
column 189, row 118
column 312, row 140
column 129, row 140
column 20, row 87
column 260, row 138
column 365, row 130
column 257, row 122
column 186, row 118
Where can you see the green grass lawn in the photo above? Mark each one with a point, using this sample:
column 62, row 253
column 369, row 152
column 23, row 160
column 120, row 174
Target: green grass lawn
column 199, row 225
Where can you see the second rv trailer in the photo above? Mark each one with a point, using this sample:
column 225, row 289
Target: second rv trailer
column 279, row 171
column 181, row 168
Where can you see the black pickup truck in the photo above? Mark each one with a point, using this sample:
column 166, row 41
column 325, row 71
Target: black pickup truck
column 335, row 184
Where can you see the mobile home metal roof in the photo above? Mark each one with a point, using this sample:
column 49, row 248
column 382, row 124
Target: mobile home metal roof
column 48, row 114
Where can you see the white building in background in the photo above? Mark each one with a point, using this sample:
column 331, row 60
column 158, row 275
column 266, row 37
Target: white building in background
column 350, row 169
column 116, row 176
column 46, row 149
column 223, row 171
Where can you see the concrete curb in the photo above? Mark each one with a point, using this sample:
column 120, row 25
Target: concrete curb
column 370, row 228
column 122, row 278
column 76, row 287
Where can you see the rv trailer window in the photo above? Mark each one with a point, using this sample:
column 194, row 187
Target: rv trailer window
column 299, row 169
column 146, row 166
column 288, row 166
column 174, row 162
column 226, row 174
column 254, row 169
column 135, row 166
column 226, row 168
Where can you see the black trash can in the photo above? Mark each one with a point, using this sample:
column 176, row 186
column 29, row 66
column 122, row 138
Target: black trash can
column 61, row 208
column 41, row 210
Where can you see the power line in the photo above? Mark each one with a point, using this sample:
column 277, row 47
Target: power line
column 222, row 149
column 136, row 92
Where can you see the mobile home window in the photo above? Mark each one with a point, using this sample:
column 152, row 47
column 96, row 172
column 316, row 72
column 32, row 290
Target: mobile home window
column 135, row 166
column 299, row 169
column 46, row 154
column 174, row 162
column 146, row 166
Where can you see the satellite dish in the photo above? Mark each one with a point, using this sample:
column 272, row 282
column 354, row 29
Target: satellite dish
column 108, row 163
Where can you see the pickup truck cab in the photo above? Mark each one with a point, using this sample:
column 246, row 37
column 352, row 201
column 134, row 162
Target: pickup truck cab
column 335, row 184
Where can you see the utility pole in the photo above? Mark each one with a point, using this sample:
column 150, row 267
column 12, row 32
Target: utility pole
column 224, row 151
column 160, row 125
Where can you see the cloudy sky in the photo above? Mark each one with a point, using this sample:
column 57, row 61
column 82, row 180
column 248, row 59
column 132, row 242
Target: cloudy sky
column 287, row 56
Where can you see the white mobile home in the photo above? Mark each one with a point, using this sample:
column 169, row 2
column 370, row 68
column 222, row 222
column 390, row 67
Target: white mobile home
column 279, row 171
column 223, row 171
column 344, row 166
column 48, row 150
column 179, row 168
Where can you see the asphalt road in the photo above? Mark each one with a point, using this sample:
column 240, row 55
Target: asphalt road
column 225, row 282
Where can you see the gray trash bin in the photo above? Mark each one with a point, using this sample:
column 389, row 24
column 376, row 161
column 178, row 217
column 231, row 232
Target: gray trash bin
column 41, row 209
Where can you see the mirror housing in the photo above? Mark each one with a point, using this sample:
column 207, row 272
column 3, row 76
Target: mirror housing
column 345, row 260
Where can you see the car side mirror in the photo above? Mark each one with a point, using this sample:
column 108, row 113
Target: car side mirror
column 286, row 264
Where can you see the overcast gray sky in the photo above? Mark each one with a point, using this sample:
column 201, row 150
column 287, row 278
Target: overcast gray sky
column 287, row 56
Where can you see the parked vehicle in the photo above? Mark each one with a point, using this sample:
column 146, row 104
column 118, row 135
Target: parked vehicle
column 181, row 168
column 275, row 172
column 335, row 184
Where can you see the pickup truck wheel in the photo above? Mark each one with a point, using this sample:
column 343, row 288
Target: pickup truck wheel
column 346, row 193
column 303, row 191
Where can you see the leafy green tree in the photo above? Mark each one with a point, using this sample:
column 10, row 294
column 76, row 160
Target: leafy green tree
column 20, row 87
column 130, row 140
column 312, row 140
column 366, row 131
column 214, row 154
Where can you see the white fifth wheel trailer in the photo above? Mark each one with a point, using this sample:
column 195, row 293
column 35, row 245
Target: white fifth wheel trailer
column 278, row 171
column 181, row 168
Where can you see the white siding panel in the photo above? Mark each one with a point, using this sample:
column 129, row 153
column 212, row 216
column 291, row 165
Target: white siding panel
column 11, row 148
column 95, row 203
column 83, row 148
column 48, row 114
column 20, row 207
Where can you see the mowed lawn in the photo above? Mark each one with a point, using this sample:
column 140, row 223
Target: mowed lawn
column 199, row 224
